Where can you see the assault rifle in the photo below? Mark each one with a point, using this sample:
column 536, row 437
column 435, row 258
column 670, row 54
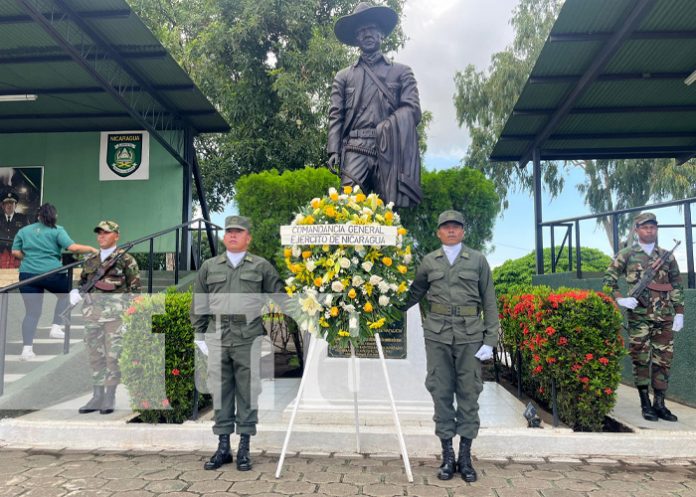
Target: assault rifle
column 646, row 280
column 95, row 280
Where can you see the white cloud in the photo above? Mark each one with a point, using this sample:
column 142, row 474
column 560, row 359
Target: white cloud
column 445, row 36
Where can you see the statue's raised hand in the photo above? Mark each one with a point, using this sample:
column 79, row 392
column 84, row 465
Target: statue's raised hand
column 334, row 165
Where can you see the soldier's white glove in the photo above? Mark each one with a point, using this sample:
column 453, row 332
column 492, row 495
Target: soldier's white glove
column 202, row 346
column 627, row 302
column 484, row 353
column 75, row 297
column 678, row 323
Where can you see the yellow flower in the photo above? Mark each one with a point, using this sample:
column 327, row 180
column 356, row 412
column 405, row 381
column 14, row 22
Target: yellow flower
column 318, row 281
column 352, row 293
column 308, row 220
column 330, row 211
column 325, row 248
column 367, row 307
column 347, row 189
column 315, row 203
column 306, row 254
column 379, row 201
column 296, row 268
column 389, row 216
column 368, row 289
column 402, row 269
column 334, row 196
column 343, row 333
column 290, row 290
column 387, row 261
column 323, row 322
column 287, row 252
column 333, row 312
column 376, row 324
column 360, row 197
column 402, row 231
column 402, row 287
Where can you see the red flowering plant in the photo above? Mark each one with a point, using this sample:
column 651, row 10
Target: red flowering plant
column 158, row 362
column 573, row 337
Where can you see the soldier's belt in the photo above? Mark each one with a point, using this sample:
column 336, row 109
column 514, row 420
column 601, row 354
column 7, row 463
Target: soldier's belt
column 361, row 150
column 363, row 133
column 661, row 287
column 234, row 318
column 454, row 310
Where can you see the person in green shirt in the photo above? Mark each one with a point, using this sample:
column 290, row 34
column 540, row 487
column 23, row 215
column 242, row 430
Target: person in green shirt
column 39, row 247
column 460, row 329
column 226, row 312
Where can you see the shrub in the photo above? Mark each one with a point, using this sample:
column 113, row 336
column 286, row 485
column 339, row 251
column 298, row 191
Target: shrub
column 572, row 337
column 158, row 362
column 519, row 271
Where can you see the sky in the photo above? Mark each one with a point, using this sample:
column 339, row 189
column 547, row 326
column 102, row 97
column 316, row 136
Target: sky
column 444, row 36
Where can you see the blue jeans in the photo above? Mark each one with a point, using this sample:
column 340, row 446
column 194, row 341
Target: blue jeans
column 32, row 295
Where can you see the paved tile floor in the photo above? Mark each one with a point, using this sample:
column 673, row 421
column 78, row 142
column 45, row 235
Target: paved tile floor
column 33, row 473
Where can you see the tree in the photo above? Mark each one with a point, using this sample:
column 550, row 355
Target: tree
column 267, row 65
column 484, row 100
column 462, row 189
column 516, row 272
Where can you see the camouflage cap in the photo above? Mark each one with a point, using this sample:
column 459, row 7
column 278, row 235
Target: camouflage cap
column 239, row 222
column 9, row 197
column 453, row 216
column 645, row 217
column 108, row 226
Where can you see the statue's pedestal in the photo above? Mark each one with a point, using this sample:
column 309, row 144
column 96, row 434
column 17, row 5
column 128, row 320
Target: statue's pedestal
column 328, row 397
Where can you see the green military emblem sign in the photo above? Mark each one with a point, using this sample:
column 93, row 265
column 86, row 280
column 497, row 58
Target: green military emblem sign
column 124, row 153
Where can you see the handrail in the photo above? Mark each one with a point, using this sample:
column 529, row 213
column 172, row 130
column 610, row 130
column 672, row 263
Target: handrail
column 574, row 223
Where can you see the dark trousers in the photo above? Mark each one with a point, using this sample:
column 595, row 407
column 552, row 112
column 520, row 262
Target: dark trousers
column 32, row 295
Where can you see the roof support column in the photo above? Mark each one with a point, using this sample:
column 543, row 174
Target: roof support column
column 688, row 226
column 187, row 201
column 538, row 218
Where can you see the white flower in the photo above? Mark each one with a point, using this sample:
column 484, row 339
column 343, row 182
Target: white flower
column 298, row 219
column 347, row 307
column 296, row 251
column 375, row 280
column 309, row 305
column 332, row 190
column 383, row 300
column 355, row 261
column 352, row 322
column 290, row 281
column 360, row 249
column 407, row 258
column 367, row 266
column 328, row 300
column 393, row 286
column 366, row 210
column 343, row 197
column 390, row 205
column 310, row 265
column 344, row 262
column 357, row 280
column 337, row 286
column 383, row 286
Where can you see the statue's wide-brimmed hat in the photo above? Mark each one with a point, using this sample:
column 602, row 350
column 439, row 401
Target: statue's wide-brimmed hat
column 365, row 13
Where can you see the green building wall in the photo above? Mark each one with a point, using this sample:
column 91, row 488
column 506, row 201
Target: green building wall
column 71, row 183
column 682, row 387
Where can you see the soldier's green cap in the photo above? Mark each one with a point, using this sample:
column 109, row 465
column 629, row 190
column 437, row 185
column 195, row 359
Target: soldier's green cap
column 450, row 216
column 645, row 217
column 9, row 197
column 108, row 226
column 239, row 222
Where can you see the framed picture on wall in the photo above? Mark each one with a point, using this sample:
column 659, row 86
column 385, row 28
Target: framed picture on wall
column 21, row 194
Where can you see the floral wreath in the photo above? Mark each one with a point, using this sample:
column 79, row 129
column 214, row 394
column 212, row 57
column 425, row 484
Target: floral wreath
column 346, row 293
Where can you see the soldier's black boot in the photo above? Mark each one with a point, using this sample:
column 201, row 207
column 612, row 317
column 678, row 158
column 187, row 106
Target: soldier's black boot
column 222, row 454
column 645, row 406
column 448, row 466
column 109, row 400
column 466, row 469
column 243, row 457
column 659, row 405
column 95, row 403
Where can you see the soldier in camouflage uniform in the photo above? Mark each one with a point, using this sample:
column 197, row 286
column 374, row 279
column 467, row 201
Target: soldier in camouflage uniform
column 104, row 305
column 653, row 318
column 230, row 336
column 458, row 285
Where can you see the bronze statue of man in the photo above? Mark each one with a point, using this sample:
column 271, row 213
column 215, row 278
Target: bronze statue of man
column 374, row 113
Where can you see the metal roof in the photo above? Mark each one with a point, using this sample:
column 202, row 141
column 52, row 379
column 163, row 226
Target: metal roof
column 93, row 65
column 609, row 84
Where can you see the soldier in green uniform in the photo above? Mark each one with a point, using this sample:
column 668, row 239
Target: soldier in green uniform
column 458, row 286
column 229, row 335
column 653, row 318
column 103, row 308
